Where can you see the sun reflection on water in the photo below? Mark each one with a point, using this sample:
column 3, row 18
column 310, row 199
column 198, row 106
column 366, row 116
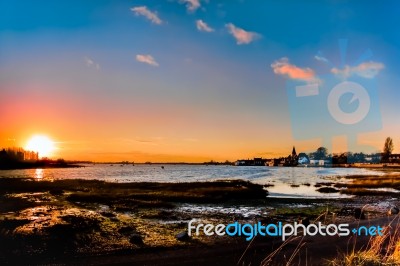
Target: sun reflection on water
column 39, row 174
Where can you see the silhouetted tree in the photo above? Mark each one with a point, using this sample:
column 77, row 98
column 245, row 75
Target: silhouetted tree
column 320, row 154
column 387, row 149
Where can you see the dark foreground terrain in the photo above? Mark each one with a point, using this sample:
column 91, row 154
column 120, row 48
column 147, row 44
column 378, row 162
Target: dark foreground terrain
column 89, row 222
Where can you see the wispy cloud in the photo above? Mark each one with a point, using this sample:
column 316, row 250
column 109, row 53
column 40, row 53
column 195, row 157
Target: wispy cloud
column 321, row 58
column 191, row 5
column 366, row 70
column 283, row 67
column 242, row 36
column 90, row 63
column 202, row 26
column 146, row 58
column 144, row 11
column 147, row 142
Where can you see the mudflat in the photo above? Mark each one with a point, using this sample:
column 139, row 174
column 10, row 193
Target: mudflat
column 96, row 222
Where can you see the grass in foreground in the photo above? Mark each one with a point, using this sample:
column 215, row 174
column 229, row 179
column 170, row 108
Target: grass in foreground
column 386, row 181
column 381, row 251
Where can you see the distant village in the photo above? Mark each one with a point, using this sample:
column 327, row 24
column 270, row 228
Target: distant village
column 18, row 158
column 322, row 158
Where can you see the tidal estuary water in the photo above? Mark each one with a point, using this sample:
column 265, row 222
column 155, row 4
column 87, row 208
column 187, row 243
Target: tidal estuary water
column 281, row 181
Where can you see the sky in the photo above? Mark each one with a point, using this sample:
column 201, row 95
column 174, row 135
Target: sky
column 194, row 80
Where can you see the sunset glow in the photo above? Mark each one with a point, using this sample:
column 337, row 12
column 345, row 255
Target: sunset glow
column 41, row 144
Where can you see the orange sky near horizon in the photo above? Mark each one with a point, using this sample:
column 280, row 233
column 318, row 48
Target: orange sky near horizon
column 167, row 151
column 82, row 131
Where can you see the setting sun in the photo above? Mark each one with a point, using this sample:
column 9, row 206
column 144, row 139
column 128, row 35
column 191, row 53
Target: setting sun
column 41, row 144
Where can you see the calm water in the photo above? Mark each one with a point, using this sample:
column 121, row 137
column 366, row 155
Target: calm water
column 293, row 182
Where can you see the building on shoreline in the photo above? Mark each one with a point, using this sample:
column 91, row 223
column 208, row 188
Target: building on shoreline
column 290, row 160
column 323, row 159
column 394, row 158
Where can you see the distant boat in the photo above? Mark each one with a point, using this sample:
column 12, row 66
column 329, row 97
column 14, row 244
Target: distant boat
column 162, row 167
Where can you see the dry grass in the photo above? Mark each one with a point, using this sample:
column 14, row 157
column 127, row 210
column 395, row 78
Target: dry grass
column 386, row 181
column 271, row 259
column 368, row 185
column 381, row 250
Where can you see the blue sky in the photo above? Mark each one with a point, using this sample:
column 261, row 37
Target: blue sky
column 186, row 80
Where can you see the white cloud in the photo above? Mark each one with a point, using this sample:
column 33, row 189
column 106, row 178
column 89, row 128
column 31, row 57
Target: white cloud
column 191, row 5
column 321, row 58
column 148, row 59
column 144, row 11
column 242, row 36
column 366, row 70
column 90, row 63
column 285, row 68
column 202, row 26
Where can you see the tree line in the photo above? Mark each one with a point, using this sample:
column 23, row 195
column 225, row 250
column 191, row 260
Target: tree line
column 357, row 157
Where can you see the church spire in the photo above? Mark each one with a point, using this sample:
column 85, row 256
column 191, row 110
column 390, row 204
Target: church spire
column 294, row 151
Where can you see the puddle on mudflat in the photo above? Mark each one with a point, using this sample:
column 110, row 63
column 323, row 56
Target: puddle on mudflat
column 391, row 190
column 244, row 211
column 43, row 217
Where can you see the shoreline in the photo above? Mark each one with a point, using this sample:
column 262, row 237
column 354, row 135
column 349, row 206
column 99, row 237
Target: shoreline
column 39, row 165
